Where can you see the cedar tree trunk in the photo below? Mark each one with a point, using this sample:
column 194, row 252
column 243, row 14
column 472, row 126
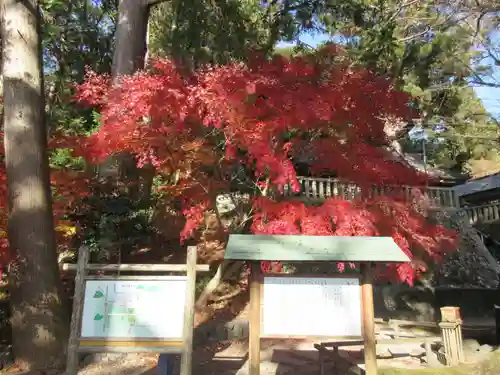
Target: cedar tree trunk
column 39, row 319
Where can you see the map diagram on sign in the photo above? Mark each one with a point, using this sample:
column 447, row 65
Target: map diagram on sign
column 134, row 308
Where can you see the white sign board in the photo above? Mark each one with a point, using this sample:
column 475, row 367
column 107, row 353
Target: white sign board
column 134, row 308
column 319, row 306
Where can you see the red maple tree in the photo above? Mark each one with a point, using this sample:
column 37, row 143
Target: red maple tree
column 266, row 115
column 4, row 244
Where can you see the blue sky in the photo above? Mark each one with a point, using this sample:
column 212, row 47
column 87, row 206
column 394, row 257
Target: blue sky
column 490, row 96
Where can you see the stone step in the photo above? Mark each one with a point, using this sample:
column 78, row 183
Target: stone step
column 267, row 368
column 405, row 349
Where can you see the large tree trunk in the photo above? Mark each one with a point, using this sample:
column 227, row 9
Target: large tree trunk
column 130, row 36
column 129, row 57
column 39, row 320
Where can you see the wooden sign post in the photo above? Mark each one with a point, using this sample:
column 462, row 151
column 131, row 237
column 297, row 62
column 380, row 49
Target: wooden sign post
column 255, row 318
column 133, row 313
column 299, row 306
column 368, row 313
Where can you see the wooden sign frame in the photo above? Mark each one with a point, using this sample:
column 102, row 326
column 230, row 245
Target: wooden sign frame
column 364, row 250
column 184, row 346
column 310, row 276
column 367, row 315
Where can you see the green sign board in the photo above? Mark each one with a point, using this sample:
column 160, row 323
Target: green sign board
column 314, row 248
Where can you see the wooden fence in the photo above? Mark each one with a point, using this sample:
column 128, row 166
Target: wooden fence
column 318, row 189
column 487, row 213
column 322, row 188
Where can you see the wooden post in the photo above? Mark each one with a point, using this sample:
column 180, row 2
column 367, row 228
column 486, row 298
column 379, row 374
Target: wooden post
column 451, row 329
column 368, row 317
column 497, row 322
column 76, row 314
column 254, row 321
column 456, row 199
column 187, row 333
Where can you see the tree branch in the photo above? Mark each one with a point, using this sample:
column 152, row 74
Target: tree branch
column 400, row 9
column 154, row 2
column 481, row 82
column 414, row 36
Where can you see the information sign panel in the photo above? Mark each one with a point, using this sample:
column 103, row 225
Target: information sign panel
column 134, row 309
column 311, row 306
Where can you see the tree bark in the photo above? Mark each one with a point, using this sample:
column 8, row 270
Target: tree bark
column 129, row 57
column 39, row 319
column 130, row 36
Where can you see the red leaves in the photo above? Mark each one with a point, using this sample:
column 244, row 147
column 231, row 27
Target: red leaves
column 420, row 240
column 4, row 244
column 195, row 215
column 268, row 114
column 268, row 267
column 363, row 163
column 255, row 106
column 93, row 91
column 137, row 114
column 68, row 189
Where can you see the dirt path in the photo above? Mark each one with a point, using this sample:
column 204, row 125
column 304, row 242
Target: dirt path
column 279, row 357
column 290, row 357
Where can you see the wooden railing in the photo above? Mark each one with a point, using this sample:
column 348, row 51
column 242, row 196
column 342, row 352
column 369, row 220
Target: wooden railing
column 318, row 189
column 487, row 213
column 322, row 188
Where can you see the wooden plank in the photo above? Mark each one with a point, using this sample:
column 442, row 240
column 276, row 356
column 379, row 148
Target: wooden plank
column 412, row 323
column 130, row 343
column 368, row 315
column 131, row 277
column 331, row 344
column 136, row 267
column 254, row 318
column 132, row 349
column 312, row 337
column 187, row 352
column 297, row 248
column 130, row 346
column 76, row 315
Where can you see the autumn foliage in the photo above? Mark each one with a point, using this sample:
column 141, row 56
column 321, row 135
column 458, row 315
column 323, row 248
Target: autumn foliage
column 69, row 189
column 4, row 245
column 267, row 115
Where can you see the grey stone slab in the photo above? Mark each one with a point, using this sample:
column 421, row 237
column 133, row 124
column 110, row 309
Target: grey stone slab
column 266, row 368
column 403, row 349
